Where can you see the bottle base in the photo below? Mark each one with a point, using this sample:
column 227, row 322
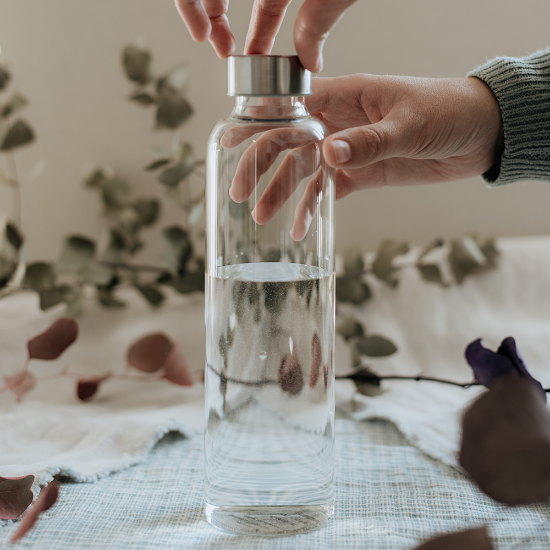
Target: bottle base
column 268, row 521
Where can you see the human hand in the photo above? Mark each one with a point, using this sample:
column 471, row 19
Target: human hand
column 384, row 130
column 207, row 19
column 390, row 130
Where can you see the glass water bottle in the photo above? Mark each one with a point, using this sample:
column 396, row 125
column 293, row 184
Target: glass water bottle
column 269, row 306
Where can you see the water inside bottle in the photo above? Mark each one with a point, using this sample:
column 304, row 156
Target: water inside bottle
column 269, row 435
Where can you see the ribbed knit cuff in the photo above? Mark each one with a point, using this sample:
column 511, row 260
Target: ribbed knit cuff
column 522, row 88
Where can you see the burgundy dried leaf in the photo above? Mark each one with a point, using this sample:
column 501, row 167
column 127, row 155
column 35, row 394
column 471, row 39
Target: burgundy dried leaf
column 489, row 366
column 15, row 496
column 505, row 446
column 149, row 353
column 20, row 383
column 291, row 378
column 316, row 361
column 176, row 369
column 472, row 539
column 87, row 387
column 45, row 501
column 51, row 343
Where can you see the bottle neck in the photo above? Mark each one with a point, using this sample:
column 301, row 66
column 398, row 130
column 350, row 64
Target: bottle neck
column 270, row 108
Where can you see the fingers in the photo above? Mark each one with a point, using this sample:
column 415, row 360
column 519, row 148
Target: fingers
column 267, row 16
column 303, row 215
column 365, row 145
column 315, row 20
column 221, row 36
column 195, row 17
column 298, row 164
column 261, row 156
column 208, row 20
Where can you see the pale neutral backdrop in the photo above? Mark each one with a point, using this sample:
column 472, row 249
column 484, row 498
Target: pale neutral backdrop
column 66, row 58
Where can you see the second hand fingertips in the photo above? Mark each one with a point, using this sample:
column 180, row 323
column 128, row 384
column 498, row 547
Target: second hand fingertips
column 341, row 150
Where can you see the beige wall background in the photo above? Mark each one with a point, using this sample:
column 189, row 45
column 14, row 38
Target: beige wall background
column 65, row 55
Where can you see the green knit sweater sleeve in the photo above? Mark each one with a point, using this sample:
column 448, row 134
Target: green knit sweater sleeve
column 522, row 88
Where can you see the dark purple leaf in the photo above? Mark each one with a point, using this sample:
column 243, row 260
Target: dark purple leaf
column 175, row 368
column 45, row 501
column 51, row 343
column 20, row 383
column 149, row 353
column 15, row 496
column 505, row 446
column 489, row 366
column 472, row 539
column 291, row 378
column 87, row 387
column 316, row 361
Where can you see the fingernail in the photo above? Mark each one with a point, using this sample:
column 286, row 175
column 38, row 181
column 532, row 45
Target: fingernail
column 341, row 150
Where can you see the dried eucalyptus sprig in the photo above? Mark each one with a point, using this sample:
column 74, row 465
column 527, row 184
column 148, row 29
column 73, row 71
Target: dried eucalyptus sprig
column 153, row 353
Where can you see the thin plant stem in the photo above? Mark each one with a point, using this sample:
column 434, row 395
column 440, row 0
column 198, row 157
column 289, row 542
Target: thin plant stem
column 17, row 209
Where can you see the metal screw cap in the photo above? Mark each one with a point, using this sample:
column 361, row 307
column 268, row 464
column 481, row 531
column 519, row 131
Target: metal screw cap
column 267, row 75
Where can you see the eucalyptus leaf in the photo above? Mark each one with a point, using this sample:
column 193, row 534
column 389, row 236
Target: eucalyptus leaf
column 107, row 298
column 465, row 257
column 115, row 247
column 14, row 236
column 50, row 297
column 97, row 274
column 382, row 265
column 350, row 328
column 158, row 163
column 172, row 176
column 489, row 249
column 143, row 98
column 115, row 192
column 40, row 276
column 78, row 252
column 128, row 220
column 95, row 178
column 184, row 151
column 177, row 248
column 176, row 80
column 18, row 135
column 75, row 305
column 5, row 77
column 431, row 273
column 8, row 267
column 352, row 290
column 436, row 243
column 353, row 261
column 152, row 294
column 190, row 282
column 136, row 61
column 148, row 211
column 16, row 102
column 173, row 109
column 375, row 346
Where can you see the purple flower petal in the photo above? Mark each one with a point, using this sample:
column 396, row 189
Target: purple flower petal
column 488, row 365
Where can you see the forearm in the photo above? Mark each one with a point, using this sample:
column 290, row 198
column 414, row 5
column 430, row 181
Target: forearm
column 522, row 89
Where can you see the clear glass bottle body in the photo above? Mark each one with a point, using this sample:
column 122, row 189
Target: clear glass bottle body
column 269, row 321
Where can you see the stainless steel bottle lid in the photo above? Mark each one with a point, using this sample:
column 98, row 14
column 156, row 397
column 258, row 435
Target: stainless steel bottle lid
column 267, row 75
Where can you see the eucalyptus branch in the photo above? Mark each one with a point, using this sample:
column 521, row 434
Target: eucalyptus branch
column 133, row 267
column 255, row 384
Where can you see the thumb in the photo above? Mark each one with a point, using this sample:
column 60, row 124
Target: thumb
column 364, row 145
